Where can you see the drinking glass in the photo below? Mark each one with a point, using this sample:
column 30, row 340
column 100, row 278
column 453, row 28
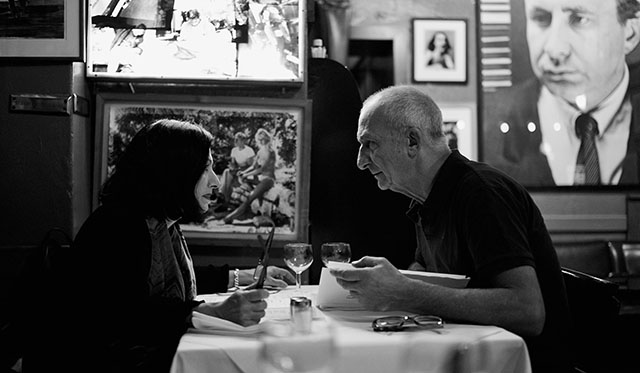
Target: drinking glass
column 298, row 257
column 285, row 350
column 335, row 252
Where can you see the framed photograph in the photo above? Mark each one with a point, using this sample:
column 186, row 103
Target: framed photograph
column 459, row 126
column 52, row 29
column 197, row 40
column 282, row 203
column 528, row 110
column 439, row 50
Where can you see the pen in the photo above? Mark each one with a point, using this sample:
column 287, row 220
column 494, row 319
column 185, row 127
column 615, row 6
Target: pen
column 265, row 259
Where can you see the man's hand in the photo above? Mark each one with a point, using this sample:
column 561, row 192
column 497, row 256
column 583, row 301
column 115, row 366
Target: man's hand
column 374, row 282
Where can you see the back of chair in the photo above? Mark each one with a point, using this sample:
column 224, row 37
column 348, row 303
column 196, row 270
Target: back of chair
column 631, row 255
column 29, row 296
column 594, row 309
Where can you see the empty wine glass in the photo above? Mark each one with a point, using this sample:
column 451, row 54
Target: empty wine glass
column 298, row 257
column 335, row 252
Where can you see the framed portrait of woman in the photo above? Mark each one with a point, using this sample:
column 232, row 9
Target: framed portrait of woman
column 439, row 50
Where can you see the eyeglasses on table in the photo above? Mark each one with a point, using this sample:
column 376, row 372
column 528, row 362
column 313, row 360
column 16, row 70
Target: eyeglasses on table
column 396, row 323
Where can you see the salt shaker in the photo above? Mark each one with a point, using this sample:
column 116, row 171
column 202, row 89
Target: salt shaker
column 301, row 314
column 318, row 49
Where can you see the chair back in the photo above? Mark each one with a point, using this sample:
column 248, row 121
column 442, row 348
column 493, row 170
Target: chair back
column 594, row 308
column 36, row 279
column 631, row 255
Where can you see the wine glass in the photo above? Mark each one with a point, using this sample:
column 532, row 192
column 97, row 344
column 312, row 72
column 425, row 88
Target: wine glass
column 335, row 252
column 298, row 257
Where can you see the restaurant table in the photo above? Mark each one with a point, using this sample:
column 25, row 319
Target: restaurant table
column 453, row 348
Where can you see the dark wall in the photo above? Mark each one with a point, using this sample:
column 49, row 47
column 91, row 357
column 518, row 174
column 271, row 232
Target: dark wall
column 40, row 154
column 346, row 204
column 44, row 163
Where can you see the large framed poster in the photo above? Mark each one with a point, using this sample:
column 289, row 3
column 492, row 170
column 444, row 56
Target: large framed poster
column 197, row 40
column 284, row 205
column 557, row 106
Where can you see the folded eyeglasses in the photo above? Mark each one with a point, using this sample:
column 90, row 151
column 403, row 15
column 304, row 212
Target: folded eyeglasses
column 396, row 323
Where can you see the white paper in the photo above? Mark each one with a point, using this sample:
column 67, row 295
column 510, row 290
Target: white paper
column 332, row 296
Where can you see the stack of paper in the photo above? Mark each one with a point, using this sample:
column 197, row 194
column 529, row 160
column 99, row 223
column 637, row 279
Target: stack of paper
column 332, row 296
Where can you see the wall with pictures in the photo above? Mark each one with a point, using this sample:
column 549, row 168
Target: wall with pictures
column 570, row 215
column 391, row 20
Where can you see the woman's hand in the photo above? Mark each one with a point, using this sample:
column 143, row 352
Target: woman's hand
column 244, row 307
column 279, row 277
column 276, row 277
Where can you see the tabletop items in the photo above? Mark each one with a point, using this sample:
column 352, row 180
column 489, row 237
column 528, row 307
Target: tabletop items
column 342, row 341
column 335, row 252
column 298, row 257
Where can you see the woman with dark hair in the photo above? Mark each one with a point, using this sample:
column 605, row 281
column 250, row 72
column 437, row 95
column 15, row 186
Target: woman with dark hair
column 129, row 278
column 439, row 51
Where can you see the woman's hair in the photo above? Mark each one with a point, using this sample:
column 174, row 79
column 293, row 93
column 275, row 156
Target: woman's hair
column 432, row 43
column 261, row 133
column 191, row 14
column 159, row 169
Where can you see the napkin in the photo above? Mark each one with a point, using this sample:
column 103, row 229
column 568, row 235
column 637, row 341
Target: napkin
column 216, row 325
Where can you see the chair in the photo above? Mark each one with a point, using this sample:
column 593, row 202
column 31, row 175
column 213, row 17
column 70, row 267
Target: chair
column 35, row 277
column 594, row 310
column 595, row 258
column 631, row 256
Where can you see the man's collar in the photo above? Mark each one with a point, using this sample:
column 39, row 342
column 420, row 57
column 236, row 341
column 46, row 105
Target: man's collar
column 603, row 111
column 441, row 187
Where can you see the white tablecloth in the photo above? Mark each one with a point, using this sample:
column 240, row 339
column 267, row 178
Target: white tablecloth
column 456, row 347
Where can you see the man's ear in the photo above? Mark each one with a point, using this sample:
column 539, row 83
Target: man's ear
column 632, row 34
column 413, row 142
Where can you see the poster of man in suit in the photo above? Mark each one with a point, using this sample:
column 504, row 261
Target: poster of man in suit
column 545, row 63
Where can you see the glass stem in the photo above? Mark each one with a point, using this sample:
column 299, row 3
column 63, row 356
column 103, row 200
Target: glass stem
column 298, row 279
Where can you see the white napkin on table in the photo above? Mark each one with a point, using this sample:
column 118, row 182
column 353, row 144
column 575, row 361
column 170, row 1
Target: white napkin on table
column 216, row 325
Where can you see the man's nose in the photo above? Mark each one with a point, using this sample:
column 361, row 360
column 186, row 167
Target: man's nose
column 557, row 45
column 363, row 159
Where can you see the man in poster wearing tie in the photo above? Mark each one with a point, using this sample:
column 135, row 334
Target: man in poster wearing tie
column 578, row 123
